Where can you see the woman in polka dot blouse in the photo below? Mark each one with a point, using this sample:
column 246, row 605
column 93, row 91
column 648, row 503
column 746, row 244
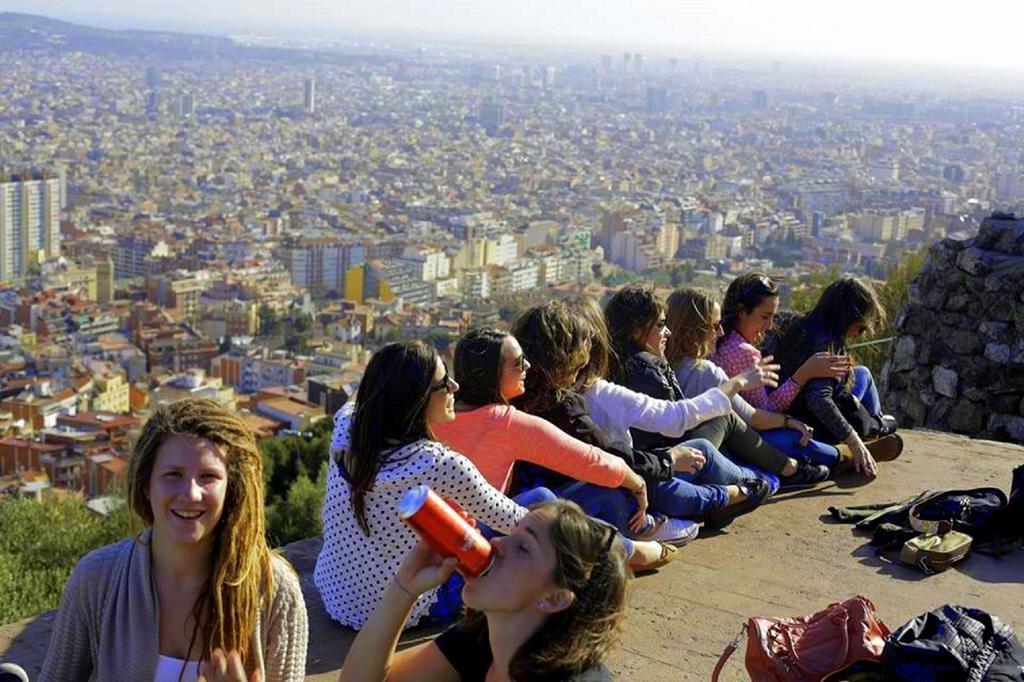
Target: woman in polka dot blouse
column 382, row 446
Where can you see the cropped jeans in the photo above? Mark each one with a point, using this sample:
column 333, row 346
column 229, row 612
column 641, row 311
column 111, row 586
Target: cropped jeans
column 694, row 495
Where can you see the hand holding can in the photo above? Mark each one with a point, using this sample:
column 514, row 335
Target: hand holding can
column 445, row 530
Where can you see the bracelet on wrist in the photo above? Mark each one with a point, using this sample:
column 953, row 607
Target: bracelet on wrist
column 402, row 587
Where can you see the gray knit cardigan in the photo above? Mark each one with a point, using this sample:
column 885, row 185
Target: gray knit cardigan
column 107, row 627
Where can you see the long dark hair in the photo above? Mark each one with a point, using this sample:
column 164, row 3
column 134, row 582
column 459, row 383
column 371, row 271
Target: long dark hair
column 844, row 303
column 551, row 337
column 743, row 295
column 478, row 367
column 634, row 308
column 390, row 411
column 592, row 564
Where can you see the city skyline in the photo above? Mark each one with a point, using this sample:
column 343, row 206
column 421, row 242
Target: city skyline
column 902, row 34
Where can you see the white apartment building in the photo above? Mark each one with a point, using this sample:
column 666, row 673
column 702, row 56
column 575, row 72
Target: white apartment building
column 29, row 223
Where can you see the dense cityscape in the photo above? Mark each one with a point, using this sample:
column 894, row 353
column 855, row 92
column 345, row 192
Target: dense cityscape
column 251, row 229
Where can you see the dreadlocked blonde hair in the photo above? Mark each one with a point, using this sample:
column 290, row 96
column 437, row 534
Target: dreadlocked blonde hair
column 241, row 577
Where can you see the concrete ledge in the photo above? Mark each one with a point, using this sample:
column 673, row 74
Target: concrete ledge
column 787, row 559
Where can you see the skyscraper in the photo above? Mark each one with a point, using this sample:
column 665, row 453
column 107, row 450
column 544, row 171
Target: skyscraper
column 152, row 103
column 657, row 100
column 759, row 100
column 29, row 222
column 309, row 96
column 153, row 78
column 492, row 116
column 187, row 106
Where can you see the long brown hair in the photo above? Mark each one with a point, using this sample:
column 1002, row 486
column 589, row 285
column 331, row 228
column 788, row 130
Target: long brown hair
column 592, row 564
column 633, row 309
column 591, row 317
column 553, row 340
column 390, row 411
column 241, row 577
column 688, row 316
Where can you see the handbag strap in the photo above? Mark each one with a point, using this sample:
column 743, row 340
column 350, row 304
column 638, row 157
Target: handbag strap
column 727, row 652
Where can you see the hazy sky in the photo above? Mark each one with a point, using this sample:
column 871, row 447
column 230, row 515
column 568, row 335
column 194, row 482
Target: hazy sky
column 959, row 33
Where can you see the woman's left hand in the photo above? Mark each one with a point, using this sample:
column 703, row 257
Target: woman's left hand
column 225, row 668
column 805, row 431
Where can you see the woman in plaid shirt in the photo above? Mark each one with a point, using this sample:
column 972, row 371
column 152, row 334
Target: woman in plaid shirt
column 748, row 313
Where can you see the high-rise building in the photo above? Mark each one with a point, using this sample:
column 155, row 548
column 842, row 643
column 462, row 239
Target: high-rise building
column 759, row 100
column 187, row 106
column 1009, row 185
column 492, row 116
column 657, row 100
column 29, row 223
column 152, row 103
column 549, row 77
column 309, row 96
column 153, row 78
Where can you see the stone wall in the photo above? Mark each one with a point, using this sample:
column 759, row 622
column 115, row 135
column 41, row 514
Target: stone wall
column 958, row 362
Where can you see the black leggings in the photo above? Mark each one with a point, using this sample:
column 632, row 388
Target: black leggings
column 732, row 435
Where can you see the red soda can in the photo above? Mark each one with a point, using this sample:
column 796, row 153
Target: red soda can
column 445, row 530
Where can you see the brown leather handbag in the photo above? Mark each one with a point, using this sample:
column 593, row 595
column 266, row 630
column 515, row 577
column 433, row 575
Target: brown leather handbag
column 810, row 648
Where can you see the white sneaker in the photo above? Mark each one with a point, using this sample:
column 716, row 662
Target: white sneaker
column 674, row 531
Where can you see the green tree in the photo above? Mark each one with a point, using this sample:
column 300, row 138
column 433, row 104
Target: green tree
column 297, row 516
column 40, row 543
column 269, row 320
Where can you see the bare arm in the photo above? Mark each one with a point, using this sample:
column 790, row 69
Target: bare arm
column 372, row 654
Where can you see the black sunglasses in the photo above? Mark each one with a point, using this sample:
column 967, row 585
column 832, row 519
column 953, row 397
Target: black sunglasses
column 444, row 385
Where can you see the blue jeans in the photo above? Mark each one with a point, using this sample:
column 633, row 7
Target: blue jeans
column 612, row 505
column 523, row 499
column 788, row 441
column 695, row 495
column 865, row 391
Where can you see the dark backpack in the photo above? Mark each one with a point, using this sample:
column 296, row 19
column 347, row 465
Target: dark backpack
column 952, row 644
column 977, row 512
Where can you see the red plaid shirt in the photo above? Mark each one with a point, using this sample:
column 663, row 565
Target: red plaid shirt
column 735, row 356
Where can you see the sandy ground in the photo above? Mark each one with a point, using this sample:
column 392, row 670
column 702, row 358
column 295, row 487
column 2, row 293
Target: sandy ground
column 787, row 559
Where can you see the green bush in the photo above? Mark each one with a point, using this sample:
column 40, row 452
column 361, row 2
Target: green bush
column 297, row 515
column 40, row 543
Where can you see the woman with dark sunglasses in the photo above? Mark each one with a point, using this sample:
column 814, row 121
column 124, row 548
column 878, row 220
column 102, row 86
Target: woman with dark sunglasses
column 549, row 608
column 383, row 445
column 491, row 369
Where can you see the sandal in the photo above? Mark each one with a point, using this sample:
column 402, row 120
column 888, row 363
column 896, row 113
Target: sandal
column 668, row 555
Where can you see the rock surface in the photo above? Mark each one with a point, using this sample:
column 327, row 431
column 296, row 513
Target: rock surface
column 958, row 364
column 786, row 559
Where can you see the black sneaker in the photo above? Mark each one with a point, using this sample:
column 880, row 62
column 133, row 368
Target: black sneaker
column 807, row 474
column 886, row 426
column 757, row 491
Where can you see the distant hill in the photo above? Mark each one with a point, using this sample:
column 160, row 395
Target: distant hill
column 32, row 32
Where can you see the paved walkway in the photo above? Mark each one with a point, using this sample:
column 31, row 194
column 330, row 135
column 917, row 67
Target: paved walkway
column 786, row 559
